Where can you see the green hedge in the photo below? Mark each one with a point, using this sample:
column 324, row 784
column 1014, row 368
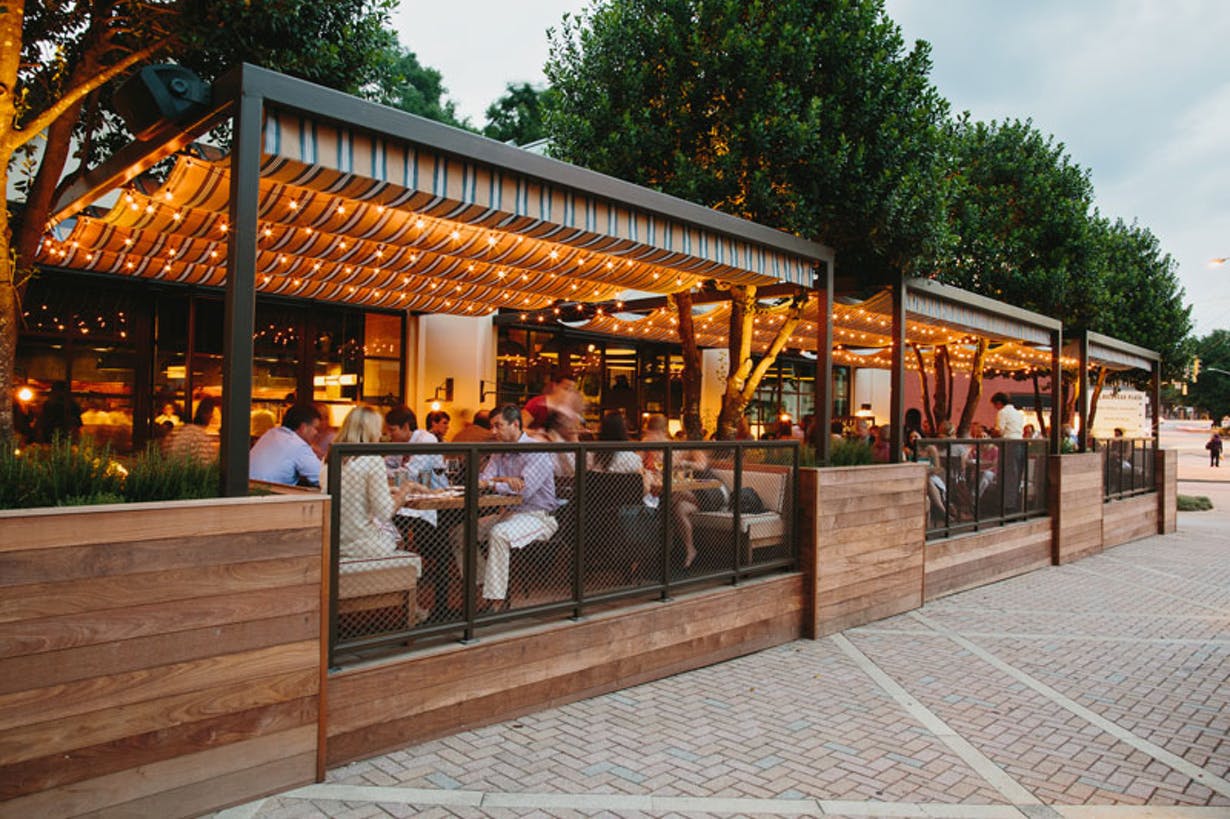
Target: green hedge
column 76, row 473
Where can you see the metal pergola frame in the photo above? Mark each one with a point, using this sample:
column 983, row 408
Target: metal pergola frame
column 981, row 314
column 1092, row 347
column 244, row 94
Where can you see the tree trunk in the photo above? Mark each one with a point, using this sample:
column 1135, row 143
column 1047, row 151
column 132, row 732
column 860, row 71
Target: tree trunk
column 926, row 390
column 1038, row 406
column 9, row 315
column 1093, row 401
column 742, row 301
column 975, row 389
column 691, row 374
column 943, row 410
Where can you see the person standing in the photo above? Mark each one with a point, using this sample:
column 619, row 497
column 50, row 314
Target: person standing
column 1214, row 448
column 1010, row 424
column 60, row 415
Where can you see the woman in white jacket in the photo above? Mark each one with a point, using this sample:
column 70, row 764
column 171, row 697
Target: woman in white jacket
column 367, row 503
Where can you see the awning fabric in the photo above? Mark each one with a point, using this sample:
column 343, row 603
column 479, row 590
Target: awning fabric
column 348, row 216
column 862, row 335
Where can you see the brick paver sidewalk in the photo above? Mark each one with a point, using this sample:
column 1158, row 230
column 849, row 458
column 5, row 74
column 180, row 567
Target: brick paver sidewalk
column 1081, row 691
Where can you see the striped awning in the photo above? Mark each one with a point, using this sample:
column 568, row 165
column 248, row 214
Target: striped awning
column 351, row 216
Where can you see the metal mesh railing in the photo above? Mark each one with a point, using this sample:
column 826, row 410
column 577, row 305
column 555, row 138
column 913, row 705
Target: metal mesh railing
column 976, row 483
column 1127, row 466
column 491, row 533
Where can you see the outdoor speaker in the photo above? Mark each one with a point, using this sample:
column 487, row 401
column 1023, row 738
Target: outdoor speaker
column 157, row 94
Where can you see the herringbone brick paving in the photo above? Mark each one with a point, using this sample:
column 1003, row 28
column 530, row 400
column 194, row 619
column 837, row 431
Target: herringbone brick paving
column 1139, row 636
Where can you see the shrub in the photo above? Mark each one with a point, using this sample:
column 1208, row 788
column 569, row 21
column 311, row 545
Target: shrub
column 154, row 477
column 1194, row 503
column 850, row 453
column 72, row 473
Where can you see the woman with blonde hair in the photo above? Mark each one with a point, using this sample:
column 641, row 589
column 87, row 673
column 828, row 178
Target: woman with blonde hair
column 367, row 504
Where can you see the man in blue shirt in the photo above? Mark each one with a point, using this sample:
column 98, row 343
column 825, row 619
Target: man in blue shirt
column 528, row 474
column 284, row 454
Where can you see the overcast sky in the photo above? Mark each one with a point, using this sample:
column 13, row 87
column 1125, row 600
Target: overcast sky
column 1137, row 90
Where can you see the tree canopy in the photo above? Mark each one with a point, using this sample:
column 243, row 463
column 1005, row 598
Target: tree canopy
column 1019, row 214
column 54, row 87
column 1210, row 392
column 810, row 116
column 519, row 115
column 408, row 85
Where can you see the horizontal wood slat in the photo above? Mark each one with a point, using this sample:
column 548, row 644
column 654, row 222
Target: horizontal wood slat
column 866, row 540
column 49, row 599
column 985, row 557
column 461, row 686
column 57, row 667
column 149, row 652
column 116, row 625
column 82, row 525
column 121, row 689
column 124, row 786
column 106, row 558
column 90, row 762
column 1076, row 506
column 68, row 733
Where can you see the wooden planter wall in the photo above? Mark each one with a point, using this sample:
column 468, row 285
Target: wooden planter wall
column 862, row 540
column 412, row 699
column 167, row 659
column 967, row 561
column 158, row 659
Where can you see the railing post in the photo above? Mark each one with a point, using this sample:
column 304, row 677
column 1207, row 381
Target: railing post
column 469, row 581
column 334, row 487
column 580, row 500
column 737, row 500
column 664, row 507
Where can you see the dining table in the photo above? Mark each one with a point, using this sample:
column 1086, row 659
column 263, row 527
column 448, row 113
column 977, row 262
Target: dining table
column 686, row 484
column 456, row 499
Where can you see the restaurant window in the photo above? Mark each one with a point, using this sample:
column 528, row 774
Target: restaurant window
column 619, row 390
column 382, row 345
column 82, row 336
column 788, row 388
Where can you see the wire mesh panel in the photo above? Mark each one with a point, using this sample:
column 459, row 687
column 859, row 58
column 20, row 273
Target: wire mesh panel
column 977, row 482
column 1127, row 466
column 625, row 524
column 377, row 575
column 439, row 541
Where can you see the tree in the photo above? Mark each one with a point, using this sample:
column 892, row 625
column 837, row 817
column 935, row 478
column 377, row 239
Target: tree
column 1020, row 218
column 55, row 85
column 1025, row 232
column 518, row 116
column 1210, row 392
column 809, row 116
column 409, row 86
column 1143, row 302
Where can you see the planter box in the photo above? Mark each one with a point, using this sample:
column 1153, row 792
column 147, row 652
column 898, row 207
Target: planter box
column 861, row 541
column 159, row 659
column 1076, row 505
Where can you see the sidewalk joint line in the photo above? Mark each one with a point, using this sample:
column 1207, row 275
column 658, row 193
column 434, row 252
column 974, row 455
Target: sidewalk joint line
column 1033, row 635
column 945, row 609
column 1083, row 570
column 1194, row 772
column 1151, row 570
column 996, row 776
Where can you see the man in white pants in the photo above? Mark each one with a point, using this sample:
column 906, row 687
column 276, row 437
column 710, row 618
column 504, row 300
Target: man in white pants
column 528, row 474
